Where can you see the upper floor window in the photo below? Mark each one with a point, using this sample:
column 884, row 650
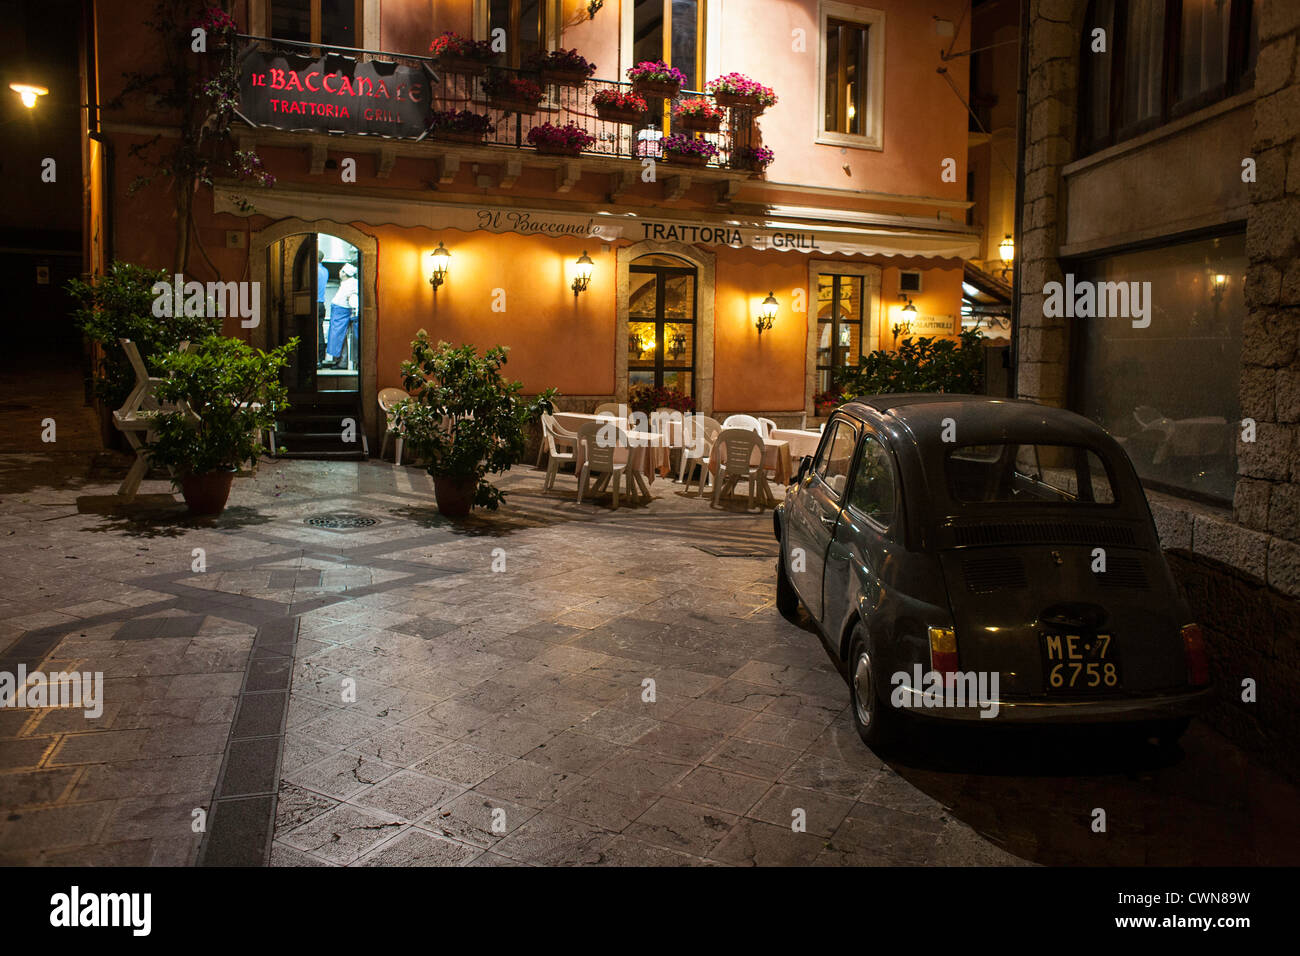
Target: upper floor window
column 671, row 31
column 852, row 71
column 1163, row 59
column 524, row 23
column 330, row 22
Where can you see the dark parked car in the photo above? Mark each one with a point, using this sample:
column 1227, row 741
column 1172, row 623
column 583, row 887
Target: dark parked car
column 968, row 557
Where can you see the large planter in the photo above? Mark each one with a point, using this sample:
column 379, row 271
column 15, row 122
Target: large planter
column 547, row 149
column 206, row 495
column 462, row 64
column 455, row 496
column 686, row 159
column 697, row 124
column 630, row 117
column 458, row 136
column 659, row 89
column 732, row 101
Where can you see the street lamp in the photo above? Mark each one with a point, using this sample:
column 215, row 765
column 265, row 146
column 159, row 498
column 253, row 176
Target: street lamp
column 582, row 277
column 1007, row 252
column 441, row 262
column 28, row 93
column 766, row 313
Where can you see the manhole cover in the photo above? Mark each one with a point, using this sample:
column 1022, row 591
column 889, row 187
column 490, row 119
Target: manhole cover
column 341, row 521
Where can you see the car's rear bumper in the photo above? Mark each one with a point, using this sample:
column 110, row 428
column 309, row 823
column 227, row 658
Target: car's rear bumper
column 1060, row 710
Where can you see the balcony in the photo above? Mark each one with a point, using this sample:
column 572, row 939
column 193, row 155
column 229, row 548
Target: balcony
column 301, row 87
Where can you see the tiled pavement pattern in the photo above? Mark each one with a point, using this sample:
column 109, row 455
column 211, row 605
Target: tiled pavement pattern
column 500, row 716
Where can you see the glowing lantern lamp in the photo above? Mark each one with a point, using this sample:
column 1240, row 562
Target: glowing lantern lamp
column 28, row 93
column 766, row 313
column 582, row 276
column 441, row 262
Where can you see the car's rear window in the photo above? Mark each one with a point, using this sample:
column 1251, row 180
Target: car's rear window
column 1020, row 473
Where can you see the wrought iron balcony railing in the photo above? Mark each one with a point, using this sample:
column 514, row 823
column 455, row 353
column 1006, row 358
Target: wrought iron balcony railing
column 454, row 89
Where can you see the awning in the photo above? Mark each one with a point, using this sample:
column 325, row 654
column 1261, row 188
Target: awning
column 722, row 229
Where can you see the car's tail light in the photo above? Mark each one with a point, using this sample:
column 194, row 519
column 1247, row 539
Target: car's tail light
column 943, row 650
column 1198, row 662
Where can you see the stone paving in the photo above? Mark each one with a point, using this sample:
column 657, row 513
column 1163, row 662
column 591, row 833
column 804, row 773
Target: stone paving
column 554, row 684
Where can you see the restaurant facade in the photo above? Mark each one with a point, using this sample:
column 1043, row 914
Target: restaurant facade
column 737, row 283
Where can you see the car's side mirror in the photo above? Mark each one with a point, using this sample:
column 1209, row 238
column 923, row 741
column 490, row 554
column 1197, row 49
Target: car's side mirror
column 805, row 463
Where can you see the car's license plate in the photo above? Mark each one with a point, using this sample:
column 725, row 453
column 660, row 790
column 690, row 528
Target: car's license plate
column 1079, row 663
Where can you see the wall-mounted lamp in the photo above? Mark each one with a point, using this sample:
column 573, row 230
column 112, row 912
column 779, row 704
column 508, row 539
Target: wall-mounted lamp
column 1007, row 252
column 906, row 314
column 582, row 276
column 766, row 313
column 441, row 262
column 28, row 93
column 1219, row 285
column 677, row 344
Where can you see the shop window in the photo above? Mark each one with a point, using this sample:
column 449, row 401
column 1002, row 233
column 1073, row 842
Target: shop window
column 661, row 313
column 840, row 309
column 524, row 23
column 672, row 31
column 1168, row 391
column 331, row 22
column 1163, row 59
column 851, row 74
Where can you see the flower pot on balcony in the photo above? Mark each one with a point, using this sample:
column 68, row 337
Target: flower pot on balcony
column 732, row 101
column 551, row 149
column 467, row 65
column 206, row 495
column 458, row 136
column 660, row 89
column 697, row 124
column 571, row 78
column 630, row 117
column 522, row 107
column 686, row 159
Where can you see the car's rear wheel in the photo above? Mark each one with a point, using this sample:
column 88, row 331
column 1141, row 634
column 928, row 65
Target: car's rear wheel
column 873, row 715
column 787, row 599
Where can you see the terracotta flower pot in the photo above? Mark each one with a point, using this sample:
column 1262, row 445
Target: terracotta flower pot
column 206, row 495
column 455, row 496
column 686, row 159
column 660, row 89
column 612, row 115
column 524, row 107
column 458, row 136
column 732, row 101
column 698, row 124
column 462, row 64
column 550, row 149
column 575, row 79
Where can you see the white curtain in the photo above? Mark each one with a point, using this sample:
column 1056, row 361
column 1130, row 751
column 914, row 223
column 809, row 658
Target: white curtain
column 1204, row 46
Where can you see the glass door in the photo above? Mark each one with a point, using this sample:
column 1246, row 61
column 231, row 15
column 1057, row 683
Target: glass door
column 661, row 324
column 840, row 307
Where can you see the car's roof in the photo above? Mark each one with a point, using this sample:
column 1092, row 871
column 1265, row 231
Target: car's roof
column 980, row 418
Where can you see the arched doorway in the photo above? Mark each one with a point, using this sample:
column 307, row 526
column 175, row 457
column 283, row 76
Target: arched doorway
column 661, row 310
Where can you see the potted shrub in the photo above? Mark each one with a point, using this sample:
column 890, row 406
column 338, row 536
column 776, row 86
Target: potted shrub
column 561, row 67
column 511, row 94
column 458, row 54
column 737, row 91
column 567, row 140
column 461, row 126
column 756, row 158
column 827, row 401
column 656, row 78
column 647, row 398
column 923, row 364
column 225, row 392
column 119, row 305
column 614, row 106
column 697, row 115
column 219, row 26
column 466, row 419
column 688, row 150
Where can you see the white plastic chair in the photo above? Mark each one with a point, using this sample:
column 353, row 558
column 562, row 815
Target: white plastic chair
column 765, row 428
column 740, row 445
column 598, row 458
column 388, row 397
column 743, row 421
column 553, row 435
column 699, row 435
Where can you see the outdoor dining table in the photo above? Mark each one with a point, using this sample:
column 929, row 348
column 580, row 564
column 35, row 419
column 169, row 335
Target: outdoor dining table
column 803, row 443
column 776, row 458
column 659, row 444
column 640, row 453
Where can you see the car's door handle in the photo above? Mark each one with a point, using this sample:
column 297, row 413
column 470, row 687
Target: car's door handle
column 828, row 520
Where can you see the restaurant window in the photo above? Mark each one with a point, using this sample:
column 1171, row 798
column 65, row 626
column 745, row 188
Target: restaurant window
column 524, row 23
column 1163, row 59
column 840, row 308
column 672, row 31
column 851, row 73
column 331, row 22
column 661, row 323
column 1168, row 390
